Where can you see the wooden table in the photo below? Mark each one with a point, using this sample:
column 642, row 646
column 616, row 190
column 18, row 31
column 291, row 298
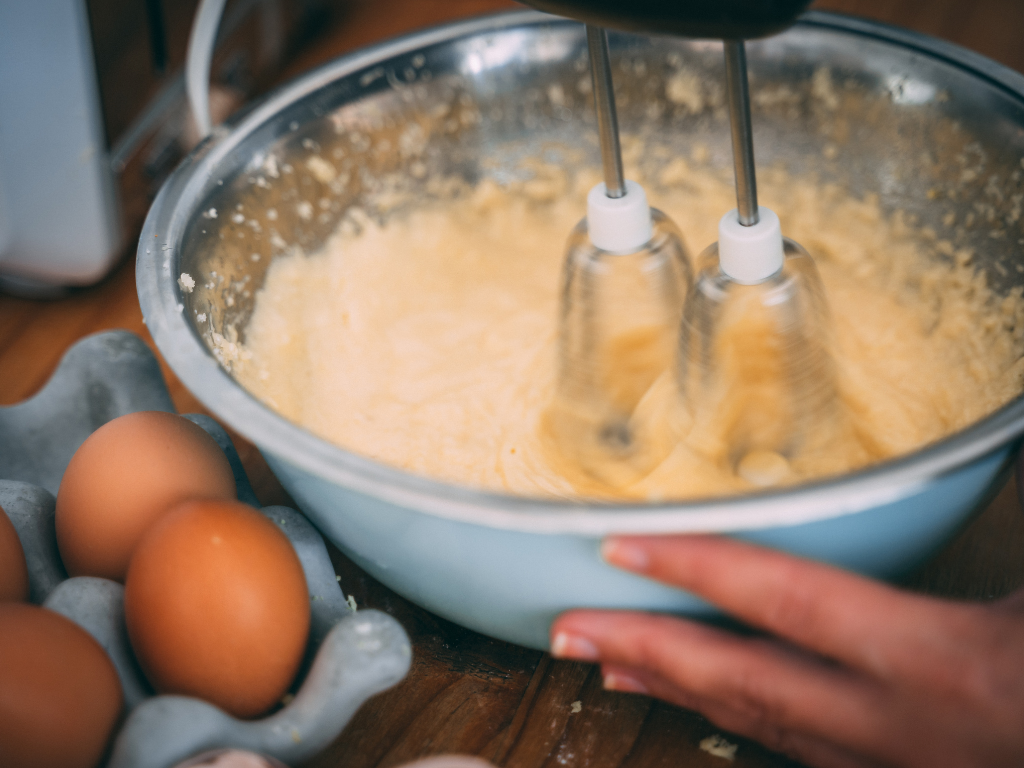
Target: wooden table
column 468, row 693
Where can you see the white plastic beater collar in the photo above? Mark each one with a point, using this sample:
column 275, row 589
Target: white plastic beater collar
column 619, row 224
column 749, row 255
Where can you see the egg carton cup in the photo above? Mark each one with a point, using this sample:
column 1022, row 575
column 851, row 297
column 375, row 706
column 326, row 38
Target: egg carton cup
column 351, row 655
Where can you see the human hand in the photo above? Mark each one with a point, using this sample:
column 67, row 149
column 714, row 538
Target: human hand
column 856, row 674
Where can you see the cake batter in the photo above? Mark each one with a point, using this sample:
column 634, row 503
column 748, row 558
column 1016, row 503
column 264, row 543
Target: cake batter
column 430, row 343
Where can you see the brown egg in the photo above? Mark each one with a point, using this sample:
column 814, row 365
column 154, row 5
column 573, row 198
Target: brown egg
column 217, row 606
column 60, row 696
column 13, row 570
column 123, row 477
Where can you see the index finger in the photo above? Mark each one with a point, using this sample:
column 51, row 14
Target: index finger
column 849, row 618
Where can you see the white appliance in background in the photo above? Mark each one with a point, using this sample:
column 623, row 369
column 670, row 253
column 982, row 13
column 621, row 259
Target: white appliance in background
column 86, row 86
column 60, row 221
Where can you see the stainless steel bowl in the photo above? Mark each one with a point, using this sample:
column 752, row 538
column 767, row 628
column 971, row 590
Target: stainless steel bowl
column 931, row 128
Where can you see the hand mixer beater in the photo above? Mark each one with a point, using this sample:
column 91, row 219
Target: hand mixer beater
column 625, row 277
column 752, row 367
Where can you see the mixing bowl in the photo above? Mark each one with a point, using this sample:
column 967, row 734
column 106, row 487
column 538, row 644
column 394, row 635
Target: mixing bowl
column 931, row 129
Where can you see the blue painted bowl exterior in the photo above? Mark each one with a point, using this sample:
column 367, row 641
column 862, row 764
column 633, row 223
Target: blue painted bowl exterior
column 512, row 584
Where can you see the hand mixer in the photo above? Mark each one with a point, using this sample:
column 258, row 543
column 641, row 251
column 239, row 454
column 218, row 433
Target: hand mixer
column 752, row 364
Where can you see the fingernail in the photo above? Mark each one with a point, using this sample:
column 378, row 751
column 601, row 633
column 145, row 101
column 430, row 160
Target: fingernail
column 616, row 681
column 625, row 555
column 566, row 646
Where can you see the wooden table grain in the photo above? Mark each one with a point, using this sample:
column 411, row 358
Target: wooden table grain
column 467, row 693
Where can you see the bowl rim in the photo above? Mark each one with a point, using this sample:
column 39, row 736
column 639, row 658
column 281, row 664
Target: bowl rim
column 282, row 441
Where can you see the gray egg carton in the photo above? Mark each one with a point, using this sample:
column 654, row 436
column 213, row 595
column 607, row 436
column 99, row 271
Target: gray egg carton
column 351, row 655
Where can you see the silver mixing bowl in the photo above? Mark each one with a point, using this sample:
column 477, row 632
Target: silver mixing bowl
column 930, row 128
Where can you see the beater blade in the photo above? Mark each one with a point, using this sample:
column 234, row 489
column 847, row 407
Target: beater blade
column 755, row 369
column 625, row 277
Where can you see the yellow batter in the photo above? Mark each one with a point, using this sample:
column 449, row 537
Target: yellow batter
column 430, row 344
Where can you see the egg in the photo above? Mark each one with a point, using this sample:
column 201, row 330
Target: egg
column 60, row 696
column 123, row 477
column 13, row 569
column 217, row 606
